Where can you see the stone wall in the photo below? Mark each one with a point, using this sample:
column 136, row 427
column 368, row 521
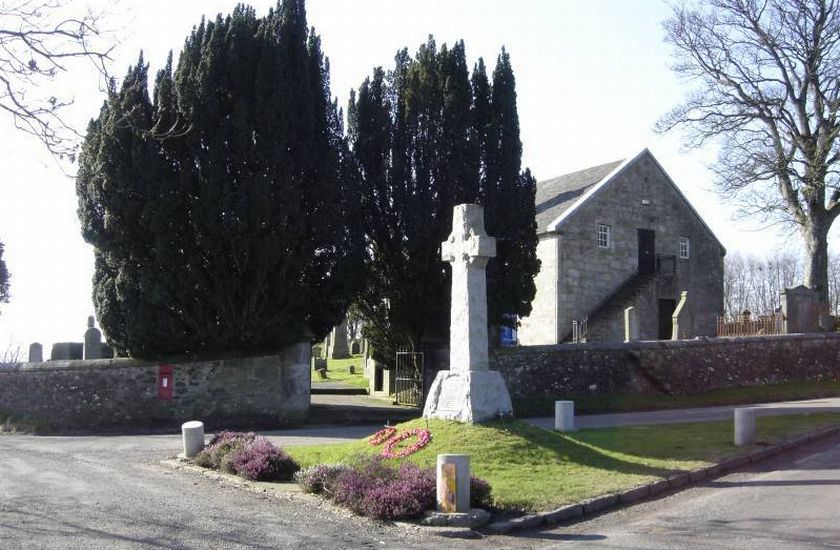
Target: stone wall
column 680, row 367
column 262, row 391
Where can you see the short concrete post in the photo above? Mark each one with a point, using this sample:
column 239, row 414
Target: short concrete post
column 564, row 416
column 744, row 426
column 453, row 483
column 192, row 433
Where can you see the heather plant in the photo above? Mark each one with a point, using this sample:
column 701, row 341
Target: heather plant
column 320, row 479
column 376, row 490
column 481, row 494
column 216, row 454
column 371, row 486
column 261, row 460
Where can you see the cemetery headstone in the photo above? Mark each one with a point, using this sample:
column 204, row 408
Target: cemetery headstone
column 36, row 353
column 802, row 309
column 93, row 341
column 338, row 348
column 65, row 351
column 468, row 391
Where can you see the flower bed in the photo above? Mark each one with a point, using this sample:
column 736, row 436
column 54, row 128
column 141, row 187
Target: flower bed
column 391, row 437
column 247, row 455
column 371, row 487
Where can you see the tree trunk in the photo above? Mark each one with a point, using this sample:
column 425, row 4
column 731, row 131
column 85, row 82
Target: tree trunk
column 815, row 234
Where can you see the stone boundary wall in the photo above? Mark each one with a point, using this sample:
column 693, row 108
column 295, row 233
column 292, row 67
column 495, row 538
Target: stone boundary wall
column 681, row 367
column 261, row 391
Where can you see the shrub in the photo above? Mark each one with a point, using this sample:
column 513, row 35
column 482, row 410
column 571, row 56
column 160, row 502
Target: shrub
column 216, row 454
column 261, row 460
column 372, row 488
column 481, row 494
column 320, row 479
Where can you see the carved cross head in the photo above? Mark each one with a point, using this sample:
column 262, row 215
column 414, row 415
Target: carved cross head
column 468, row 243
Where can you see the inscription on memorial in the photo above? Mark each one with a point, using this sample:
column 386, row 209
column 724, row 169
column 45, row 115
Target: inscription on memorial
column 451, row 395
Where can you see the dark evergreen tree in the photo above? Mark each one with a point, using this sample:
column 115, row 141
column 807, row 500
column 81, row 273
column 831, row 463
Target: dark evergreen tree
column 4, row 278
column 425, row 138
column 220, row 212
column 508, row 197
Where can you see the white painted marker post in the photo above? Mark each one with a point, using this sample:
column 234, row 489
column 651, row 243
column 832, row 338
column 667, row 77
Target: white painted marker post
column 453, row 483
column 744, row 426
column 192, row 433
column 564, row 416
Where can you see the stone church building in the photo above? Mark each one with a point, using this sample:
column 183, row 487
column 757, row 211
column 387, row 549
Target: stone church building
column 620, row 235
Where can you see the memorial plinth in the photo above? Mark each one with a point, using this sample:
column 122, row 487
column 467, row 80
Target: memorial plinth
column 468, row 391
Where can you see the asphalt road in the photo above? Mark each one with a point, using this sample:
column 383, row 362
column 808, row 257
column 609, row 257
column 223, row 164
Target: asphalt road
column 790, row 502
column 111, row 492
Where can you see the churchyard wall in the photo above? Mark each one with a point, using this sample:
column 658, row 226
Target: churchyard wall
column 78, row 395
column 681, row 367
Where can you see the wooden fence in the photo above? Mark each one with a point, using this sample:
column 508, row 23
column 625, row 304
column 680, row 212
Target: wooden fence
column 747, row 325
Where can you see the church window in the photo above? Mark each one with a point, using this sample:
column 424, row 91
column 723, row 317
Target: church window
column 604, row 236
column 685, row 248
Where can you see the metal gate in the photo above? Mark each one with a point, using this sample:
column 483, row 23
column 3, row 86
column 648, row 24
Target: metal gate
column 409, row 378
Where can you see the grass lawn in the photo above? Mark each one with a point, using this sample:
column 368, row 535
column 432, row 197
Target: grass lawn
column 535, row 469
column 592, row 404
column 338, row 371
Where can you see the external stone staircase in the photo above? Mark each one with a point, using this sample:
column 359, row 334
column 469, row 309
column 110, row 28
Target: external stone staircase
column 623, row 297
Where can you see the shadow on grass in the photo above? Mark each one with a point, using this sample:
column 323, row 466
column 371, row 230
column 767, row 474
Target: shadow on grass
column 589, row 448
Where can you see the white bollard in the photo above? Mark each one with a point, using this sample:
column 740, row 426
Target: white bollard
column 453, row 483
column 564, row 416
column 192, row 433
column 744, row 426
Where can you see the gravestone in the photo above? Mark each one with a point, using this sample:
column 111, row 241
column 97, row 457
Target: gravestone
column 468, row 391
column 679, row 319
column 36, row 353
column 93, row 341
column 338, row 348
column 355, row 347
column 65, row 351
column 631, row 325
column 802, row 309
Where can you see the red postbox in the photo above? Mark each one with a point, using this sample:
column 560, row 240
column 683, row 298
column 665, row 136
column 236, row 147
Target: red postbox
column 166, row 382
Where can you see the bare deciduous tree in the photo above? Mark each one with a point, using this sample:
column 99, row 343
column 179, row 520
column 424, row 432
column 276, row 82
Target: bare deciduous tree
column 768, row 92
column 40, row 40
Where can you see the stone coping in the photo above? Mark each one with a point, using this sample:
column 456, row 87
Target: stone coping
column 130, row 363
column 653, row 489
column 664, row 344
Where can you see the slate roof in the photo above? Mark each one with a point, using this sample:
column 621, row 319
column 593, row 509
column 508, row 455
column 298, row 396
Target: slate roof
column 557, row 195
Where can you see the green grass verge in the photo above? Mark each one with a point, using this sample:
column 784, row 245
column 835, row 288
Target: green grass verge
column 535, row 469
column 593, row 404
column 338, row 371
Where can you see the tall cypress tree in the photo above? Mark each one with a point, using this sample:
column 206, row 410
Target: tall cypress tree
column 426, row 137
column 508, row 196
column 243, row 241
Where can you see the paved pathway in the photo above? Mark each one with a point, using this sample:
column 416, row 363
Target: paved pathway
column 707, row 414
column 789, row 502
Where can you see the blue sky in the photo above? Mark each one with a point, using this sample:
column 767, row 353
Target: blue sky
column 592, row 79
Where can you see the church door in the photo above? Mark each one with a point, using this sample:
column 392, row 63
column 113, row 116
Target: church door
column 647, row 251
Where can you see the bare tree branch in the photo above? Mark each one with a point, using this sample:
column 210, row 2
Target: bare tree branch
column 767, row 75
column 39, row 41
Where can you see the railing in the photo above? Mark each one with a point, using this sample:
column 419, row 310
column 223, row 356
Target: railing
column 748, row 325
column 580, row 327
column 666, row 264
column 409, row 378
